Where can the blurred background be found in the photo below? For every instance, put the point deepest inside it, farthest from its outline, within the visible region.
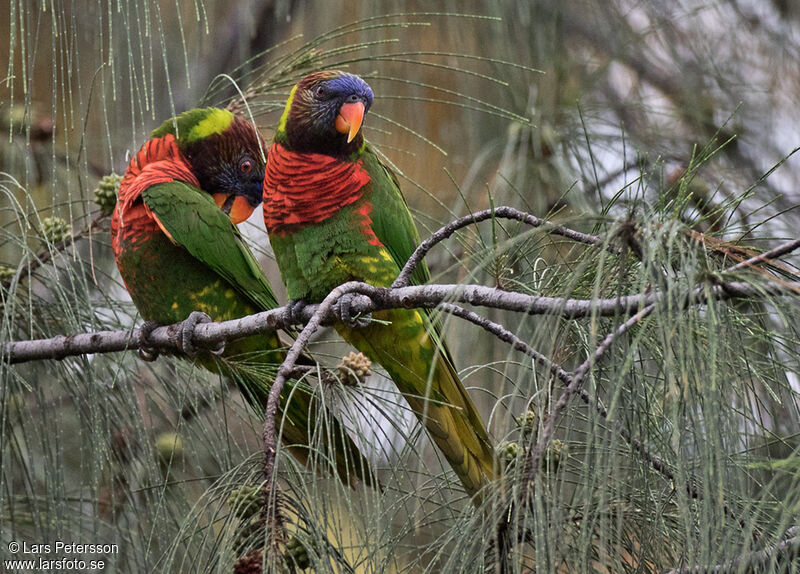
(623, 85)
(581, 111)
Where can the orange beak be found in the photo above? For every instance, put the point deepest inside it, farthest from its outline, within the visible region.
(349, 119)
(235, 206)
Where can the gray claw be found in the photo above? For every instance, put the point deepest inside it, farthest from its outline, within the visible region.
(186, 335)
(294, 310)
(344, 308)
(146, 351)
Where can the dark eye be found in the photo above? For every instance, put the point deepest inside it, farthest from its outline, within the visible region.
(320, 92)
(246, 165)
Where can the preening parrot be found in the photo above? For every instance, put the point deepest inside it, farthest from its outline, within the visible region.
(179, 252)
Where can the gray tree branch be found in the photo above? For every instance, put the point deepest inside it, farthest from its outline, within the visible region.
(502, 212)
(779, 554)
(375, 299)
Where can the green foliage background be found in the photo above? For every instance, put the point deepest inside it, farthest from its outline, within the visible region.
(666, 128)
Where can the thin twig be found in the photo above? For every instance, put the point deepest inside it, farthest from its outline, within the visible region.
(270, 437)
(574, 387)
(767, 256)
(655, 462)
(698, 295)
(503, 212)
(784, 551)
(557, 370)
(506, 336)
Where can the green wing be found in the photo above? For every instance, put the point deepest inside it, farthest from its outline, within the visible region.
(391, 219)
(194, 221)
(394, 226)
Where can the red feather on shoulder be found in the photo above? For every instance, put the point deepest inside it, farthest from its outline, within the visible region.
(159, 160)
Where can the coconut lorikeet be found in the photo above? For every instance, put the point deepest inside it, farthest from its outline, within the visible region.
(179, 252)
(335, 213)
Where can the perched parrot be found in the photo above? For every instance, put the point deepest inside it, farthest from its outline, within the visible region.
(335, 213)
(179, 253)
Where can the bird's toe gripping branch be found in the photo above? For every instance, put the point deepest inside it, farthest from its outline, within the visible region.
(146, 351)
(294, 311)
(186, 335)
(349, 308)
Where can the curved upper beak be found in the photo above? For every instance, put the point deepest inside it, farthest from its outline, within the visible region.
(349, 120)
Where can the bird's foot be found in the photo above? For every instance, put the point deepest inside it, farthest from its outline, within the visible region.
(294, 312)
(349, 309)
(186, 335)
(146, 351)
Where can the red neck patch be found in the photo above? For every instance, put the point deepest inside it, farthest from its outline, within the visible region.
(158, 161)
(302, 189)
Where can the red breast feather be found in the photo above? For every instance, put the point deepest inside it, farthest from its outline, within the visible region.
(302, 189)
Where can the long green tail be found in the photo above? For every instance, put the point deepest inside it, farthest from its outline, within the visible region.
(405, 350)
